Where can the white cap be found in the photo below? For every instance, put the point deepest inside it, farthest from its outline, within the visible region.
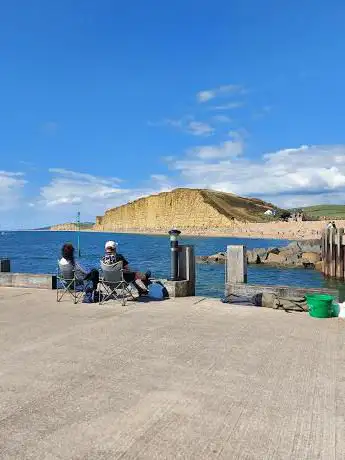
(110, 245)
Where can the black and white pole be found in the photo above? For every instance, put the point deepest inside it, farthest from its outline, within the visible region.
(174, 234)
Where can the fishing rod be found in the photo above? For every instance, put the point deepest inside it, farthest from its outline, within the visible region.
(78, 233)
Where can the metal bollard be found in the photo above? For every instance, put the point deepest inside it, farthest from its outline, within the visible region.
(174, 234)
(5, 265)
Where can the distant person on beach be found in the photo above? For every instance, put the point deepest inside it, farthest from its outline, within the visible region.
(111, 257)
(81, 273)
(331, 224)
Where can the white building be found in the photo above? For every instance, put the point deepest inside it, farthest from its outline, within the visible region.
(269, 212)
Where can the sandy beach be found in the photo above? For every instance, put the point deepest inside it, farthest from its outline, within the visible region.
(271, 230)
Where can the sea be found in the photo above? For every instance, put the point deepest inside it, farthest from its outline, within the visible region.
(38, 252)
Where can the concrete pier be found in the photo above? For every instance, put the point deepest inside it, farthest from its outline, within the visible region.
(187, 378)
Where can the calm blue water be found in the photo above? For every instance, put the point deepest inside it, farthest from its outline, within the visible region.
(37, 252)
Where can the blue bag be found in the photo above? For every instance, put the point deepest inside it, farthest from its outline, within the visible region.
(92, 297)
(88, 297)
(157, 292)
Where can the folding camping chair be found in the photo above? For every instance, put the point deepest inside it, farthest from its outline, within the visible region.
(67, 283)
(113, 284)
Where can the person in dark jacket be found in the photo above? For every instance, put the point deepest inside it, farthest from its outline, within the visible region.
(80, 272)
(111, 257)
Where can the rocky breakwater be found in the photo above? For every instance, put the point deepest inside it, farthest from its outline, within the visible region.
(303, 254)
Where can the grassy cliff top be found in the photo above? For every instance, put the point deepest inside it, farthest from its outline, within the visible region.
(331, 211)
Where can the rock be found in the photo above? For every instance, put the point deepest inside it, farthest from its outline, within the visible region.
(257, 255)
(305, 246)
(291, 258)
(273, 258)
(319, 265)
(218, 258)
(308, 265)
(202, 259)
(311, 257)
(273, 251)
(253, 257)
(291, 255)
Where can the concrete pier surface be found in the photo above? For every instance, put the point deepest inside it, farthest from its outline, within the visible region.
(185, 378)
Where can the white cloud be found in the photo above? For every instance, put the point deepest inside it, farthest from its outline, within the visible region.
(207, 95)
(227, 149)
(75, 188)
(187, 124)
(71, 191)
(11, 185)
(198, 128)
(84, 176)
(204, 96)
(229, 106)
(290, 177)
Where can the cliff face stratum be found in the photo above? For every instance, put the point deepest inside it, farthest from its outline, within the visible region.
(186, 209)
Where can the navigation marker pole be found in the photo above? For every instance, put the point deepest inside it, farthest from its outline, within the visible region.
(78, 234)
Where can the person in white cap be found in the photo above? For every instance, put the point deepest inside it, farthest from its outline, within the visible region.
(111, 257)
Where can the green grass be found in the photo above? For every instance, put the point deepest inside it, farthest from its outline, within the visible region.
(237, 207)
(331, 211)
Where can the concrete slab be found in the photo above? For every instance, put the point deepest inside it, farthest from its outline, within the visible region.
(28, 280)
(186, 378)
(180, 288)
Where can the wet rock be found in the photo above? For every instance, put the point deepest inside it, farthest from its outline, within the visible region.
(218, 258)
(202, 259)
(257, 255)
(296, 254)
(275, 251)
(306, 246)
(273, 258)
(312, 257)
(309, 265)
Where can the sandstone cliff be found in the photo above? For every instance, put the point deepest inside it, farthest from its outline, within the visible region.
(187, 209)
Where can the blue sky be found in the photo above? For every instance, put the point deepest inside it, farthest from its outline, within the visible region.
(105, 101)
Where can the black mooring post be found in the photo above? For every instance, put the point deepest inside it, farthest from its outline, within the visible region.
(174, 234)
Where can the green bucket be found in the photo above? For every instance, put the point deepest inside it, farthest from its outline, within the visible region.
(320, 305)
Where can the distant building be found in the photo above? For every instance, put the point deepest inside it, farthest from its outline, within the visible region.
(270, 212)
